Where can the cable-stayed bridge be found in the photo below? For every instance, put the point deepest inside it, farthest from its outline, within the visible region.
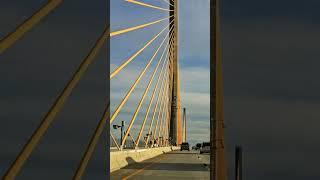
(156, 122)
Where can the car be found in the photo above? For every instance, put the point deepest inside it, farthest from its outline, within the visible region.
(184, 146)
(205, 148)
(198, 146)
(194, 148)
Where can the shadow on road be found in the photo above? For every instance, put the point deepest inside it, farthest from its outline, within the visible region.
(134, 163)
(130, 160)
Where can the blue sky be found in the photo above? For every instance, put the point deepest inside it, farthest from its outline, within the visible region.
(193, 59)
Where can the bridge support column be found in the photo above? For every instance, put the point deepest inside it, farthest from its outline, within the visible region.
(184, 117)
(175, 133)
(217, 157)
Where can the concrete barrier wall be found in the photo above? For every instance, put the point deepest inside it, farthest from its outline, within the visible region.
(120, 159)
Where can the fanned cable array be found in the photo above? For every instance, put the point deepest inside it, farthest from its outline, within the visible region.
(153, 128)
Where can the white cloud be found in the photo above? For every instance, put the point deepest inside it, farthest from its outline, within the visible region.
(194, 72)
(194, 29)
(195, 79)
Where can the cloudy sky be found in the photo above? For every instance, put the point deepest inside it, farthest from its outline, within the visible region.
(271, 78)
(193, 59)
(271, 81)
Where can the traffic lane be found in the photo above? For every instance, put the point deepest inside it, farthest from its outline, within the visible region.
(173, 165)
(204, 158)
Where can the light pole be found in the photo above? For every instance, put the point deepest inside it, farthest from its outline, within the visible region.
(121, 129)
(184, 117)
(238, 163)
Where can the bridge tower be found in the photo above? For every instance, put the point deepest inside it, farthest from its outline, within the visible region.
(175, 117)
(217, 157)
(184, 117)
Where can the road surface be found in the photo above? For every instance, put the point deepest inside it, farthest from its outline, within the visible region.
(184, 165)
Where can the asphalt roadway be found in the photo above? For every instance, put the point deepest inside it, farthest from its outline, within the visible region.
(174, 165)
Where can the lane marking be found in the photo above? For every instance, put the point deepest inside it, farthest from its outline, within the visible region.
(141, 170)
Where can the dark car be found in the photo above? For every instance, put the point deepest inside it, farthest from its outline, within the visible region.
(185, 146)
(205, 148)
(198, 146)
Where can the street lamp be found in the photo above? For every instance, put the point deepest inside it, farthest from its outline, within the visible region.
(121, 129)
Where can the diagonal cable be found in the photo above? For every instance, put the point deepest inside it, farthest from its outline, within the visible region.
(167, 114)
(122, 31)
(151, 99)
(124, 100)
(54, 110)
(162, 132)
(28, 24)
(92, 144)
(126, 62)
(163, 124)
(170, 75)
(155, 108)
(168, 103)
(163, 104)
(145, 92)
(159, 112)
(115, 142)
(162, 111)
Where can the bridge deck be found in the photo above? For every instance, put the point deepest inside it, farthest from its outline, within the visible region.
(174, 165)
